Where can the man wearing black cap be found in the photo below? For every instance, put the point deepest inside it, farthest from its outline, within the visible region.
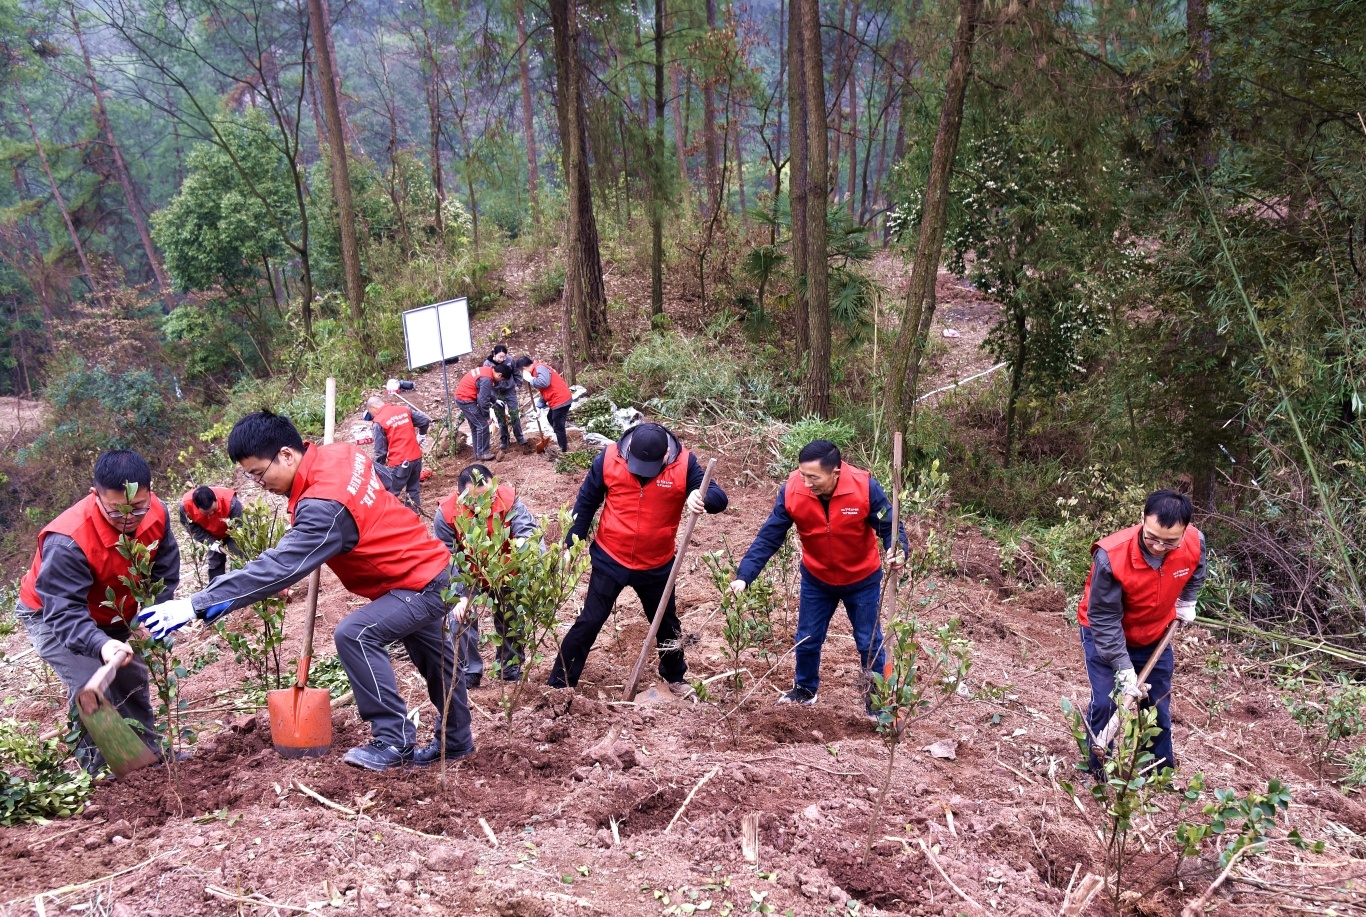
(643, 483)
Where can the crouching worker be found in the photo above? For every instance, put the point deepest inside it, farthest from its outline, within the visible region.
(63, 599)
(205, 513)
(1142, 579)
(341, 514)
(475, 482)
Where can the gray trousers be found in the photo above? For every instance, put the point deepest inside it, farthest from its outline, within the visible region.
(418, 620)
(479, 426)
(407, 477)
(129, 692)
(509, 413)
(509, 653)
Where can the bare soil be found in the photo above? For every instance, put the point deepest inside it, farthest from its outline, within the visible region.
(586, 798)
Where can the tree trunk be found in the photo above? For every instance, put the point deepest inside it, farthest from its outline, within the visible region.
(853, 111)
(657, 173)
(818, 172)
(841, 51)
(1017, 367)
(778, 100)
(341, 174)
(433, 91)
(56, 191)
(120, 167)
(680, 140)
(739, 160)
(709, 141)
(797, 172)
(904, 366)
(528, 122)
(1198, 43)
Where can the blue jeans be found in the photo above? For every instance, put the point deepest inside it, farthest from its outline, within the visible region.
(1102, 707)
(818, 601)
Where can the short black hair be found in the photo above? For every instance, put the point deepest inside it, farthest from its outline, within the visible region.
(117, 468)
(497, 349)
(262, 434)
(474, 474)
(502, 369)
(204, 498)
(1169, 507)
(823, 451)
(523, 361)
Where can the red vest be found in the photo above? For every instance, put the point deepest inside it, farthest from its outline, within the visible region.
(395, 550)
(468, 389)
(453, 507)
(557, 393)
(215, 521)
(838, 548)
(84, 524)
(1149, 595)
(639, 524)
(400, 433)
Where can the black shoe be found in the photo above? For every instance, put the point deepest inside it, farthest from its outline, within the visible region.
(798, 696)
(511, 673)
(379, 755)
(472, 679)
(431, 754)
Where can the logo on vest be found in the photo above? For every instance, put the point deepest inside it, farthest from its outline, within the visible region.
(849, 510)
(663, 482)
(1185, 571)
(398, 420)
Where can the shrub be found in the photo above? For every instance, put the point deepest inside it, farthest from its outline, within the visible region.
(676, 376)
(35, 783)
(255, 641)
(804, 431)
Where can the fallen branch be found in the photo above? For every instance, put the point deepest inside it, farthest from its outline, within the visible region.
(488, 832)
(934, 861)
(1077, 899)
(1197, 907)
(800, 763)
(701, 783)
(352, 813)
(68, 889)
(52, 837)
(256, 899)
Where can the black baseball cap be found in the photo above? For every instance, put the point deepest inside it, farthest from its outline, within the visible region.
(647, 449)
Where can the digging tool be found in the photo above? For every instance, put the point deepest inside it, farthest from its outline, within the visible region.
(1102, 744)
(545, 440)
(890, 575)
(123, 750)
(633, 683)
(300, 716)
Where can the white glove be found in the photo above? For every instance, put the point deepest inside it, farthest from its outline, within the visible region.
(113, 648)
(460, 609)
(695, 504)
(1185, 612)
(896, 560)
(216, 547)
(167, 617)
(737, 586)
(1127, 682)
(391, 386)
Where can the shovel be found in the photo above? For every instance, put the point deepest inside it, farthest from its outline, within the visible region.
(300, 716)
(1102, 744)
(545, 440)
(123, 750)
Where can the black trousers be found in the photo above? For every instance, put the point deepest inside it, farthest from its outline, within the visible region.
(559, 418)
(603, 588)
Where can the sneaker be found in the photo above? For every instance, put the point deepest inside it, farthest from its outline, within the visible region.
(798, 696)
(472, 680)
(870, 708)
(431, 754)
(486, 457)
(681, 689)
(379, 755)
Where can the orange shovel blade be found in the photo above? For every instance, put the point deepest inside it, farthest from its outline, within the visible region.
(300, 721)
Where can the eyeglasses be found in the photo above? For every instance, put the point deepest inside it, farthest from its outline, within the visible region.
(117, 514)
(259, 476)
(1156, 542)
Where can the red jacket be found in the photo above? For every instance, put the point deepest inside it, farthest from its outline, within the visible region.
(839, 547)
(557, 393)
(395, 550)
(399, 431)
(215, 521)
(468, 389)
(1149, 595)
(639, 524)
(84, 524)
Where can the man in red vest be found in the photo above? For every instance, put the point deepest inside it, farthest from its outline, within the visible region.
(554, 391)
(1142, 578)
(205, 513)
(63, 597)
(341, 514)
(474, 395)
(396, 429)
(474, 485)
(643, 483)
(844, 520)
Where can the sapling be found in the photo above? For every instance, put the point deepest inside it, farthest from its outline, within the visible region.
(749, 614)
(1329, 712)
(256, 640)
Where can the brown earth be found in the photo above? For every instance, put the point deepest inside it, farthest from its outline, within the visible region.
(574, 829)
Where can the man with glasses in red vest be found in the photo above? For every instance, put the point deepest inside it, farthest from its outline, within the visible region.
(396, 429)
(554, 391)
(1142, 579)
(205, 513)
(643, 483)
(843, 518)
(63, 597)
(342, 515)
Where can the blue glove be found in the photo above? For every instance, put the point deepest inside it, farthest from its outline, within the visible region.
(167, 617)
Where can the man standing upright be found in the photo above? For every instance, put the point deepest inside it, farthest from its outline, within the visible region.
(205, 512)
(554, 391)
(643, 483)
(843, 518)
(341, 515)
(63, 599)
(396, 429)
(1142, 579)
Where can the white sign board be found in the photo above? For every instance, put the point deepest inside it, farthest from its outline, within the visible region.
(437, 332)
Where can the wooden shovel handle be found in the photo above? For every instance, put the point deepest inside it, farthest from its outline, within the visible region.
(315, 578)
(1107, 734)
(99, 682)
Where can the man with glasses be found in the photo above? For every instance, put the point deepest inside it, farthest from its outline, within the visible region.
(1142, 578)
(64, 598)
(342, 515)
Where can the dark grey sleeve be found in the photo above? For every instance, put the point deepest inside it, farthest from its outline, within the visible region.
(420, 421)
(235, 509)
(541, 378)
(443, 531)
(381, 444)
(522, 524)
(63, 583)
(484, 398)
(322, 530)
(1192, 587)
(1105, 612)
(166, 565)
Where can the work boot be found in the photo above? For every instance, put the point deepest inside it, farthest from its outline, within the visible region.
(431, 754)
(681, 689)
(511, 672)
(379, 755)
(798, 695)
(472, 680)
